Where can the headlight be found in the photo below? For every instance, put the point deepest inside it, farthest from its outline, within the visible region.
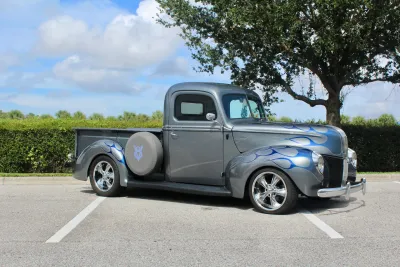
(352, 157)
(318, 161)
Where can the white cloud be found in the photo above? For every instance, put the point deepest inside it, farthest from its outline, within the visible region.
(373, 100)
(73, 70)
(106, 56)
(8, 60)
(178, 66)
(127, 42)
(22, 80)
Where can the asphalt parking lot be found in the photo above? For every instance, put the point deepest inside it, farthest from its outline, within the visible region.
(67, 224)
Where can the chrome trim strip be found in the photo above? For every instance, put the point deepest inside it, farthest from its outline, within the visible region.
(344, 190)
(193, 128)
(276, 131)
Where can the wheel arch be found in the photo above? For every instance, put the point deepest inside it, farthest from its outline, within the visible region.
(295, 162)
(104, 147)
(246, 188)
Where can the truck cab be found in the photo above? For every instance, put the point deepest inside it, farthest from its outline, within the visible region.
(216, 140)
(198, 126)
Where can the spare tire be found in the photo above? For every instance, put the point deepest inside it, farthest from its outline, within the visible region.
(143, 153)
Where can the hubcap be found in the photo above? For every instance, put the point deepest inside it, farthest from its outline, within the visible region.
(269, 191)
(103, 175)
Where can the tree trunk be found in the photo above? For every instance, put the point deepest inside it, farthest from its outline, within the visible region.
(333, 110)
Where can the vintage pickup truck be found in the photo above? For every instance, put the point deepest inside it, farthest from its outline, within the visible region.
(216, 140)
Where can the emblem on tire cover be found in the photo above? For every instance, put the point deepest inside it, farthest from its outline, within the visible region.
(138, 154)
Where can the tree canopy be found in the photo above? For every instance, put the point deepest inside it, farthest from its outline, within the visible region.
(268, 44)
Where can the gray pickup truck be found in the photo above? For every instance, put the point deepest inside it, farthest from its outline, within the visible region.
(216, 140)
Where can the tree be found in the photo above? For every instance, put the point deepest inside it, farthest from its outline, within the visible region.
(344, 119)
(3, 115)
(79, 115)
(386, 120)
(358, 120)
(30, 116)
(142, 117)
(46, 116)
(285, 119)
(111, 118)
(15, 114)
(127, 116)
(269, 44)
(63, 114)
(157, 115)
(96, 116)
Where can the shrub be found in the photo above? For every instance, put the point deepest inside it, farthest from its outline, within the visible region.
(377, 148)
(42, 145)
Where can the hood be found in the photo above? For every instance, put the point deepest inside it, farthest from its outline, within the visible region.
(324, 139)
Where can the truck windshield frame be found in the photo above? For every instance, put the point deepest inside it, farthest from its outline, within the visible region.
(251, 107)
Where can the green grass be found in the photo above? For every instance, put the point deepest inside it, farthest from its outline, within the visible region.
(34, 174)
(378, 172)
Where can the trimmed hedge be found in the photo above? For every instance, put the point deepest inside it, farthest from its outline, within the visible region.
(377, 148)
(43, 145)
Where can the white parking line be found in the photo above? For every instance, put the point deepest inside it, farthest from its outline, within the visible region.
(397, 182)
(320, 224)
(57, 237)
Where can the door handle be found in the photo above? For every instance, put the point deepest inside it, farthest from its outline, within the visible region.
(174, 135)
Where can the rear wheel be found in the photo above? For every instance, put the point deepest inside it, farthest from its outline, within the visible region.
(104, 177)
(272, 192)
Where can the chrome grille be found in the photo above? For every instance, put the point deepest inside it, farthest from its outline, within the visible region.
(345, 170)
(334, 171)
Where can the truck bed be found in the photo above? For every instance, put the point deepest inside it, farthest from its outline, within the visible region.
(86, 136)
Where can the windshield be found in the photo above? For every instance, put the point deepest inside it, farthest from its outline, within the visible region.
(242, 106)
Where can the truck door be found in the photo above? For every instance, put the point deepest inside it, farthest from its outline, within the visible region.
(195, 143)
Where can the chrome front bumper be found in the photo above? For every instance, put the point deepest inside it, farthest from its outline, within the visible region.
(344, 190)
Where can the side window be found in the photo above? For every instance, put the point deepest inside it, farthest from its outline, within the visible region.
(235, 106)
(192, 107)
(254, 108)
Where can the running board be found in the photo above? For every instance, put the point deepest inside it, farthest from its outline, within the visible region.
(181, 187)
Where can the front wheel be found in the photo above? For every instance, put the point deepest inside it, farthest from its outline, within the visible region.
(104, 177)
(271, 191)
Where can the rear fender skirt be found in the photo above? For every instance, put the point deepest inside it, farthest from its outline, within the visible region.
(102, 147)
(296, 162)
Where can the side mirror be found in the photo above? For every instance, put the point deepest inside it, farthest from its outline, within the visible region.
(210, 116)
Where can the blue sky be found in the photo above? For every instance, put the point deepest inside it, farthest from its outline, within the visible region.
(110, 56)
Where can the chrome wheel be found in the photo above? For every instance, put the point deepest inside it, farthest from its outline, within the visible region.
(103, 176)
(269, 191)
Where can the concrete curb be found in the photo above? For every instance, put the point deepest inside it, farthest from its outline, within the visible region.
(41, 180)
(380, 177)
(70, 180)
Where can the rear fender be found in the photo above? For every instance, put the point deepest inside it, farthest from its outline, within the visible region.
(296, 162)
(102, 147)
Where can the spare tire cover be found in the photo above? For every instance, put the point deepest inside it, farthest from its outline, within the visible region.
(143, 153)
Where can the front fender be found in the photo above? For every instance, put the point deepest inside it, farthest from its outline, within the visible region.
(296, 162)
(102, 147)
